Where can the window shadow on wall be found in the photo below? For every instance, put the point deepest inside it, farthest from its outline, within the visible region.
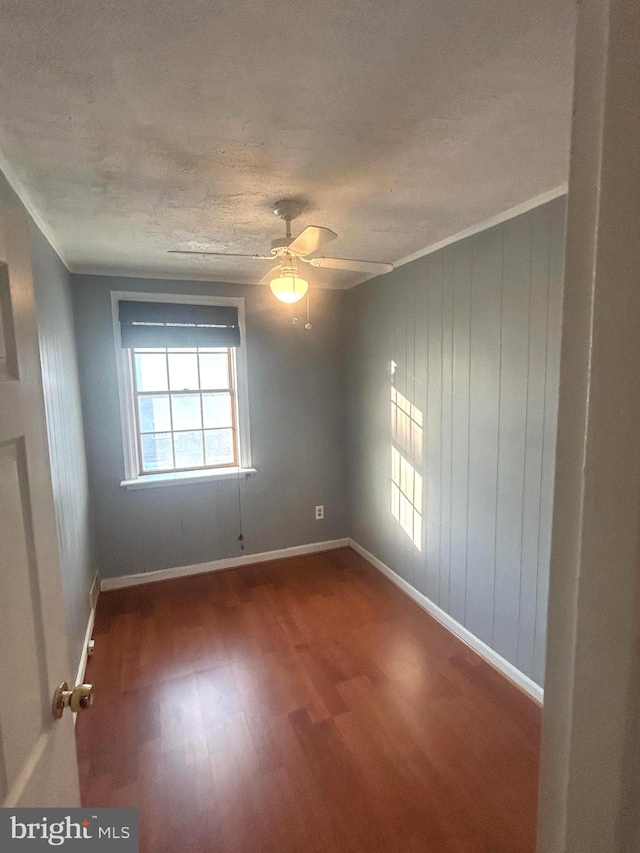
(406, 463)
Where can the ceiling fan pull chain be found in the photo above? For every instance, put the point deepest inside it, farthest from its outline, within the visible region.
(308, 323)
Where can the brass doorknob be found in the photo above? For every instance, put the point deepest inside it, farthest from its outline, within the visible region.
(78, 699)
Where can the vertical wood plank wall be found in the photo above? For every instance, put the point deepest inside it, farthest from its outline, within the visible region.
(470, 336)
(65, 432)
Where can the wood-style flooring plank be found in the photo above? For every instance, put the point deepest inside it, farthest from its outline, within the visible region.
(303, 706)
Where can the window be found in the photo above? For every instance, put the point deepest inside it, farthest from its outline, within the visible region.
(184, 409)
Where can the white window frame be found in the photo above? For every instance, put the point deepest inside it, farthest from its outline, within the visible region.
(133, 477)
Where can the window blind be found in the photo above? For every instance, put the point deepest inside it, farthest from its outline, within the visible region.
(172, 324)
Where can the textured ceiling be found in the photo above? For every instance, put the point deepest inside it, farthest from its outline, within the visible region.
(131, 127)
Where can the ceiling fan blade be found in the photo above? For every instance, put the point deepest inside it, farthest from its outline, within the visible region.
(350, 264)
(219, 254)
(311, 239)
(271, 274)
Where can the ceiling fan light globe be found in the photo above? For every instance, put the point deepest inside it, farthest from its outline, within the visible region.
(289, 288)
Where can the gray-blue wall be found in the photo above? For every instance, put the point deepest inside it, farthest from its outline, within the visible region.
(65, 435)
(474, 333)
(298, 425)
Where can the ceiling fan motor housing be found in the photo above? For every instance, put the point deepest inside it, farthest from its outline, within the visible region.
(288, 208)
(280, 244)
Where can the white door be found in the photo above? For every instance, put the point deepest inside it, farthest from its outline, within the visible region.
(37, 753)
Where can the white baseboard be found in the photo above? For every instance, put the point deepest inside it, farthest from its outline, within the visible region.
(94, 592)
(82, 666)
(508, 669)
(95, 589)
(220, 565)
(85, 648)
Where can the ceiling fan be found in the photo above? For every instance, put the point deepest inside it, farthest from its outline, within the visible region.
(284, 279)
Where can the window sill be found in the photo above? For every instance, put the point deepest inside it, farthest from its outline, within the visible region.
(184, 478)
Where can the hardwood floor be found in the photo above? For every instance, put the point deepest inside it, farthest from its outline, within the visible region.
(303, 705)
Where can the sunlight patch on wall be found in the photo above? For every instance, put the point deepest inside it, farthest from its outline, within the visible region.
(406, 454)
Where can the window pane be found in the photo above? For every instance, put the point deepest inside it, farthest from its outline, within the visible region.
(216, 410)
(188, 447)
(183, 371)
(151, 371)
(154, 413)
(218, 445)
(214, 370)
(186, 411)
(156, 452)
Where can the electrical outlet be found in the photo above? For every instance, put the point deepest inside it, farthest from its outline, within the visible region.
(319, 513)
